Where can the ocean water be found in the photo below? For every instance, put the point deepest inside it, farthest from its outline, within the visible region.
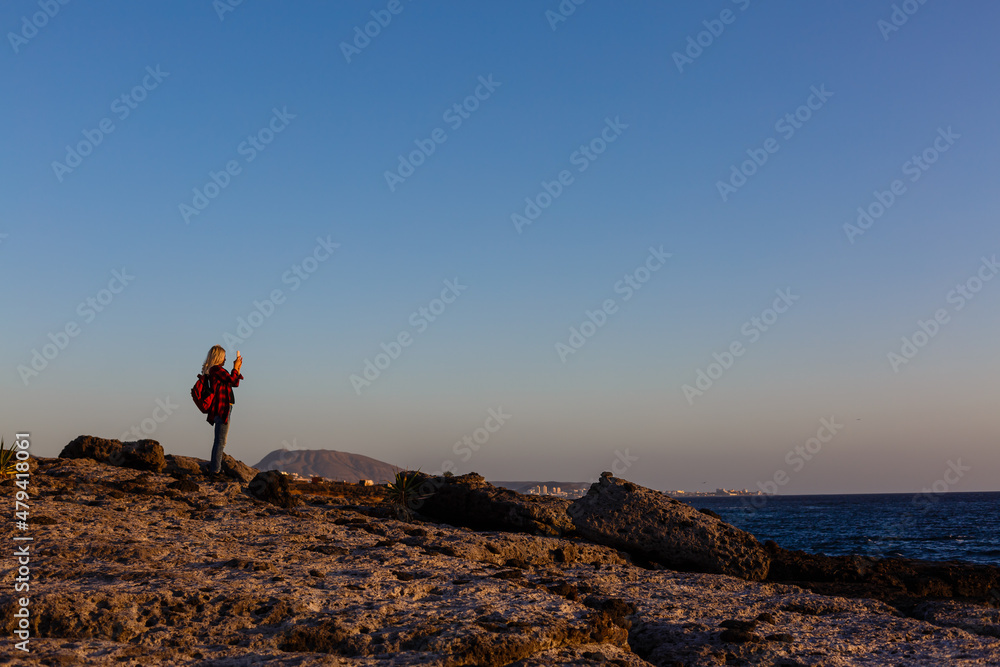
(949, 526)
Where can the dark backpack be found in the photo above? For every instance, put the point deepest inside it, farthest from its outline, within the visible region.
(202, 393)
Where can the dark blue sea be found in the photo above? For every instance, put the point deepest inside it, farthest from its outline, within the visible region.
(948, 526)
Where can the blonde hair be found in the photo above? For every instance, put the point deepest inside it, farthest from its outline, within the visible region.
(215, 357)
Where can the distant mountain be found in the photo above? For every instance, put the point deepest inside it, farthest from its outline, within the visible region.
(329, 464)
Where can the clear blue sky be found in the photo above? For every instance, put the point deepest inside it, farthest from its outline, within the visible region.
(202, 86)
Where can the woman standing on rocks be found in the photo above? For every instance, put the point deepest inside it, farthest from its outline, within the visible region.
(222, 383)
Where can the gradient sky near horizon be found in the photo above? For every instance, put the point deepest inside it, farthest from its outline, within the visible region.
(557, 85)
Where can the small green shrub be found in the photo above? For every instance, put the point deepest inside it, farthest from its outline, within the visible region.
(403, 493)
(7, 461)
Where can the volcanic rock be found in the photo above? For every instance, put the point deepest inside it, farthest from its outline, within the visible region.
(469, 500)
(272, 486)
(139, 454)
(653, 526)
(184, 485)
(145, 578)
(184, 466)
(237, 469)
(902, 582)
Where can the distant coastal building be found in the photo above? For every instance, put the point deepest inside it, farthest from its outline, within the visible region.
(575, 490)
(559, 491)
(295, 477)
(717, 492)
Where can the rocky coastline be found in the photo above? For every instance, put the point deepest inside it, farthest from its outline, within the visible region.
(139, 558)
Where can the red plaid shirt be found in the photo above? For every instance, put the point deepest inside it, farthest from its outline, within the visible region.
(222, 382)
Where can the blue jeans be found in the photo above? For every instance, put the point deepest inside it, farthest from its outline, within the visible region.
(221, 431)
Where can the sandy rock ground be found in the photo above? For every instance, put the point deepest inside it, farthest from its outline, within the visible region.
(128, 571)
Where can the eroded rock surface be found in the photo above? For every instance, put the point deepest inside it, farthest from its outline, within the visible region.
(469, 500)
(902, 582)
(129, 571)
(272, 486)
(140, 454)
(652, 525)
(237, 469)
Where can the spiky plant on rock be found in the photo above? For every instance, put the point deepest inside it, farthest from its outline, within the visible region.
(404, 493)
(7, 461)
